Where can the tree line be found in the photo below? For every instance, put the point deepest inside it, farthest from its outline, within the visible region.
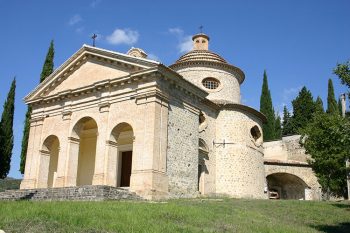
(325, 133)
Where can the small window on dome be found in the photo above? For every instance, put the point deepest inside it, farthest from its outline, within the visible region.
(211, 83)
(197, 41)
(203, 41)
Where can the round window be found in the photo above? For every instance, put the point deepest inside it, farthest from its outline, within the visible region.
(211, 83)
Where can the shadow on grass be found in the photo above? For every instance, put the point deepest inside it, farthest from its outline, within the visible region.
(343, 227)
(345, 206)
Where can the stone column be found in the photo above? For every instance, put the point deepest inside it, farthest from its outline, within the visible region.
(111, 163)
(43, 168)
(72, 161)
(149, 177)
(101, 148)
(30, 176)
(61, 175)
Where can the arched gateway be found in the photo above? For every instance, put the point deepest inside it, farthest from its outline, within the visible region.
(83, 147)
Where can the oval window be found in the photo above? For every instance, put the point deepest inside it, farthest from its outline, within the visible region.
(211, 83)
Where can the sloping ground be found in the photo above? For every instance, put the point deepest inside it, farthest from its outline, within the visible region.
(85, 193)
(194, 215)
(9, 183)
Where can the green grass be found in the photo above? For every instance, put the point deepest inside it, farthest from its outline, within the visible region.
(228, 215)
(9, 183)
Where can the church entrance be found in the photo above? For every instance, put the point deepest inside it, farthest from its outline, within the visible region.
(121, 155)
(48, 162)
(126, 168)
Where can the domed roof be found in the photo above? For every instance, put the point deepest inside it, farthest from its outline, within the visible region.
(200, 55)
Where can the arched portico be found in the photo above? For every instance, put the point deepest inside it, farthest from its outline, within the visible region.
(82, 152)
(120, 155)
(287, 186)
(48, 162)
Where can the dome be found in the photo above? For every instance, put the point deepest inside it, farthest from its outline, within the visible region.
(201, 56)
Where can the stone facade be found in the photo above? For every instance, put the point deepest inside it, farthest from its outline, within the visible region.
(287, 170)
(121, 120)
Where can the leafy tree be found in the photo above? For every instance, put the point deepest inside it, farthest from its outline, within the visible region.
(303, 110)
(267, 109)
(278, 127)
(287, 127)
(332, 106)
(343, 72)
(6, 136)
(46, 71)
(327, 141)
(319, 106)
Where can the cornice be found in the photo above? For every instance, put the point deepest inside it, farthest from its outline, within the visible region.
(97, 86)
(81, 56)
(245, 108)
(223, 66)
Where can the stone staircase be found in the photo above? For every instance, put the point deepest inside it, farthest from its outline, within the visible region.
(83, 193)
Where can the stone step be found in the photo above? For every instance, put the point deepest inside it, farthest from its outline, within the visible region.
(88, 192)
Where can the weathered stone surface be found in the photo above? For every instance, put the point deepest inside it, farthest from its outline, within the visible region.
(83, 193)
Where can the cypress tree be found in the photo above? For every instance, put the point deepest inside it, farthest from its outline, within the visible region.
(6, 137)
(332, 106)
(267, 109)
(46, 71)
(339, 107)
(48, 64)
(319, 106)
(278, 127)
(303, 110)
(287, 128)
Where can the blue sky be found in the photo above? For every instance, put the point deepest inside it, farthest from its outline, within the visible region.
(298, 42)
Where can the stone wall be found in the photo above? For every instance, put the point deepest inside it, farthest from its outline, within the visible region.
(207, 132)
(286, 149)
(239, 158)
(182, 152)
(83, 193)
(287, 157)
(228, 90)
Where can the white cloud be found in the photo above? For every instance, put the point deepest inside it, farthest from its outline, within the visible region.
(94, 3)
(79, 29)
(176, 31)
(290, 93)
(185, 43)
(153, 57)
(123, 36)
(75, 19)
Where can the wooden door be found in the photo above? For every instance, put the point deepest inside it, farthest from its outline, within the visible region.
(126, 169)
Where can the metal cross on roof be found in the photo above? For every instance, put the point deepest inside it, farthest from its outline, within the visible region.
(201, 29)
(94, 36)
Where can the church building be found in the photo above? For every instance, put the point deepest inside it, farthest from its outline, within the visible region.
(123, 120)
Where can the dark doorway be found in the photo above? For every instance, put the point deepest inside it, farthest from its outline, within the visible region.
(126, 169)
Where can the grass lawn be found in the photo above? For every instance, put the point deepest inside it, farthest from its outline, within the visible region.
(227, 215)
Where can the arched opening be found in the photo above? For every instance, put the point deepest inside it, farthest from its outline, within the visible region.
(49, 152)
(203, 163)
(286, 186)
(123, 136)
(85, 132)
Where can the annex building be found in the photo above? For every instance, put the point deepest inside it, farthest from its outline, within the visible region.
(123, 120)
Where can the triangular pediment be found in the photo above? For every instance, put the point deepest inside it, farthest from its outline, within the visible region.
(88, 66)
